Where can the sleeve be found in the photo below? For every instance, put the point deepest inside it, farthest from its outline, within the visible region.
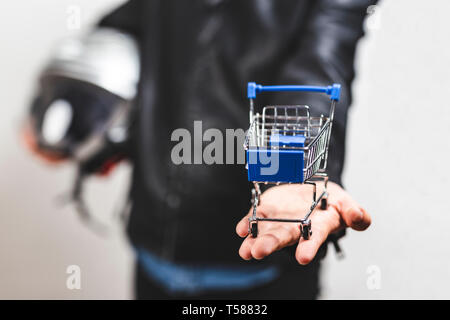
(126, 18)
(325, 55)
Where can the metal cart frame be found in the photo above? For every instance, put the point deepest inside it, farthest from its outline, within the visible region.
(291, 122)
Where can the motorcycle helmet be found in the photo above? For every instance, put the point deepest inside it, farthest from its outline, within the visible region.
(83, 107)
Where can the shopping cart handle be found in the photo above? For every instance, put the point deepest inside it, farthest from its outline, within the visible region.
(334, 91)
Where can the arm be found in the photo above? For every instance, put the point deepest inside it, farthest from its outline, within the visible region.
(325, 55)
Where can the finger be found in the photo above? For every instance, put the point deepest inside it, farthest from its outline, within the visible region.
(307, 249)
(352, 213)
(322, 226)
(274, 239)
(242, 226)
(30, 143)
(356, 218)
(246, 248)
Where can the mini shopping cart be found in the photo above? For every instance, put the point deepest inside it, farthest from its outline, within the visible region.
(285, 144)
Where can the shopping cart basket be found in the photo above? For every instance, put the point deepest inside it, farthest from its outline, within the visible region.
(285, 144)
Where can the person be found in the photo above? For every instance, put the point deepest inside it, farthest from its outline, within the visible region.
(196, 58)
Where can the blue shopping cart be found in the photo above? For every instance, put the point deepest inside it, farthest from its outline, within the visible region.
(285, 144)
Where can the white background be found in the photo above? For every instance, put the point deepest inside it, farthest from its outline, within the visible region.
(396, 166)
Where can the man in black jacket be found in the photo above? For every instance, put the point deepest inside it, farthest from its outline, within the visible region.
(196, 58)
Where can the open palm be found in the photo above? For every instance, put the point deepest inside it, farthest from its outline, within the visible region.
(292, 202)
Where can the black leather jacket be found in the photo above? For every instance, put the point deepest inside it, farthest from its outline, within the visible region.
(197, 57)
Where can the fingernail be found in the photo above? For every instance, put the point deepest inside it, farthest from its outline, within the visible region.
(359, 216)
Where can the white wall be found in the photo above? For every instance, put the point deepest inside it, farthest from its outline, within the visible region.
(398, 157)
(396, 165)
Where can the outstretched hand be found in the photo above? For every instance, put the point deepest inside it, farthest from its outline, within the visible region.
(292, 202)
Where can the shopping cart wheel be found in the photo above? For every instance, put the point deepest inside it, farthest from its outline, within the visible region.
(323, 204)
(254, 229)
(306, 230)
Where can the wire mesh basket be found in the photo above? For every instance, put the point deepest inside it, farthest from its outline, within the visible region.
(284, 128)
